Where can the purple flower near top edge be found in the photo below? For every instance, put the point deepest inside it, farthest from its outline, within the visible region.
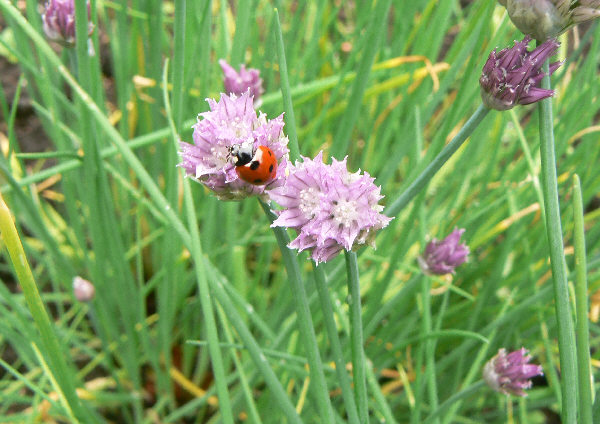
(511, 75)
(544, 19)
(330, 208)
(442, 257)
(59, 21)
(240, 82)
(510, 373)
(232, 120)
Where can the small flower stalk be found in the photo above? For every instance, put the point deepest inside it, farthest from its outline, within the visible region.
(511, 373)
(330, 208)
(545, 19)
(512, 75)
(441, 257)
(239, 82)
(59, 21)
(230, 126)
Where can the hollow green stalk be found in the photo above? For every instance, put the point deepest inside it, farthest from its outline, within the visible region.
(304, 320)
(356, 337)
(566, 332)
(581, 298)
(336, 347)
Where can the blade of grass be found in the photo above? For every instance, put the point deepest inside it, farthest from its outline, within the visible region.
(375, 33)
(581, 296)
(51, 347)
(286, 93)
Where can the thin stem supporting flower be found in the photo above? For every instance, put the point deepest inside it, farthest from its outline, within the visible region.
(421, 181)
(356, 336)
(336, 347)
(305, 323)
(566, 332)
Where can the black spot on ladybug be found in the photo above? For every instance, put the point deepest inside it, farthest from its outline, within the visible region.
(254, 165)
(271, 168)
(258, 180)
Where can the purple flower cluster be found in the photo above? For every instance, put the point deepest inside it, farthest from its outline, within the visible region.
(330, 208)
(510, 373)
(232, 121)
(239, 82)
(511, 76)
(59, 21)
(442, 257)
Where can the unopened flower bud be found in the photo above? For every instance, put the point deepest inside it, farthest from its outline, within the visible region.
(510, 373)
(511, 76)
(239, 82)
(442, 257)
(83, 290)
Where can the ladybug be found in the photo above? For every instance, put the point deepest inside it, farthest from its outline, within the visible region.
(255, 166)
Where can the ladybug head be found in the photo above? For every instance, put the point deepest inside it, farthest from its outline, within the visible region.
(241, 154)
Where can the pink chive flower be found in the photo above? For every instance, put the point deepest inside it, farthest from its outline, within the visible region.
(330, 208)
(231, 121)
(544, 19)
(240, 82)
(442, 257)
(510, 373)
(59, 21)
(511, 76)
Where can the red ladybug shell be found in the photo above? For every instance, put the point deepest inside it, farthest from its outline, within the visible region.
(261, 170)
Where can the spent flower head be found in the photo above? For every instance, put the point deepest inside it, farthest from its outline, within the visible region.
(443, 256)
(511, 76)
(59, 21)
(510, 373)
(240, 82)
(330, 208)
(544, 19)
(232, 121)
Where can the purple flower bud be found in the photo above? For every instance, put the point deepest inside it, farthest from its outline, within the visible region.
(59, 21)
(510, 374)
(330, 208)
(239, 83)
(441, 257)
(544, 19)
(232, 121)
(511, 76)
(83, 290)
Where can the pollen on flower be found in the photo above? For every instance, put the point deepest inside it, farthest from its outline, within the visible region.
(345, 212)
(309, 202)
